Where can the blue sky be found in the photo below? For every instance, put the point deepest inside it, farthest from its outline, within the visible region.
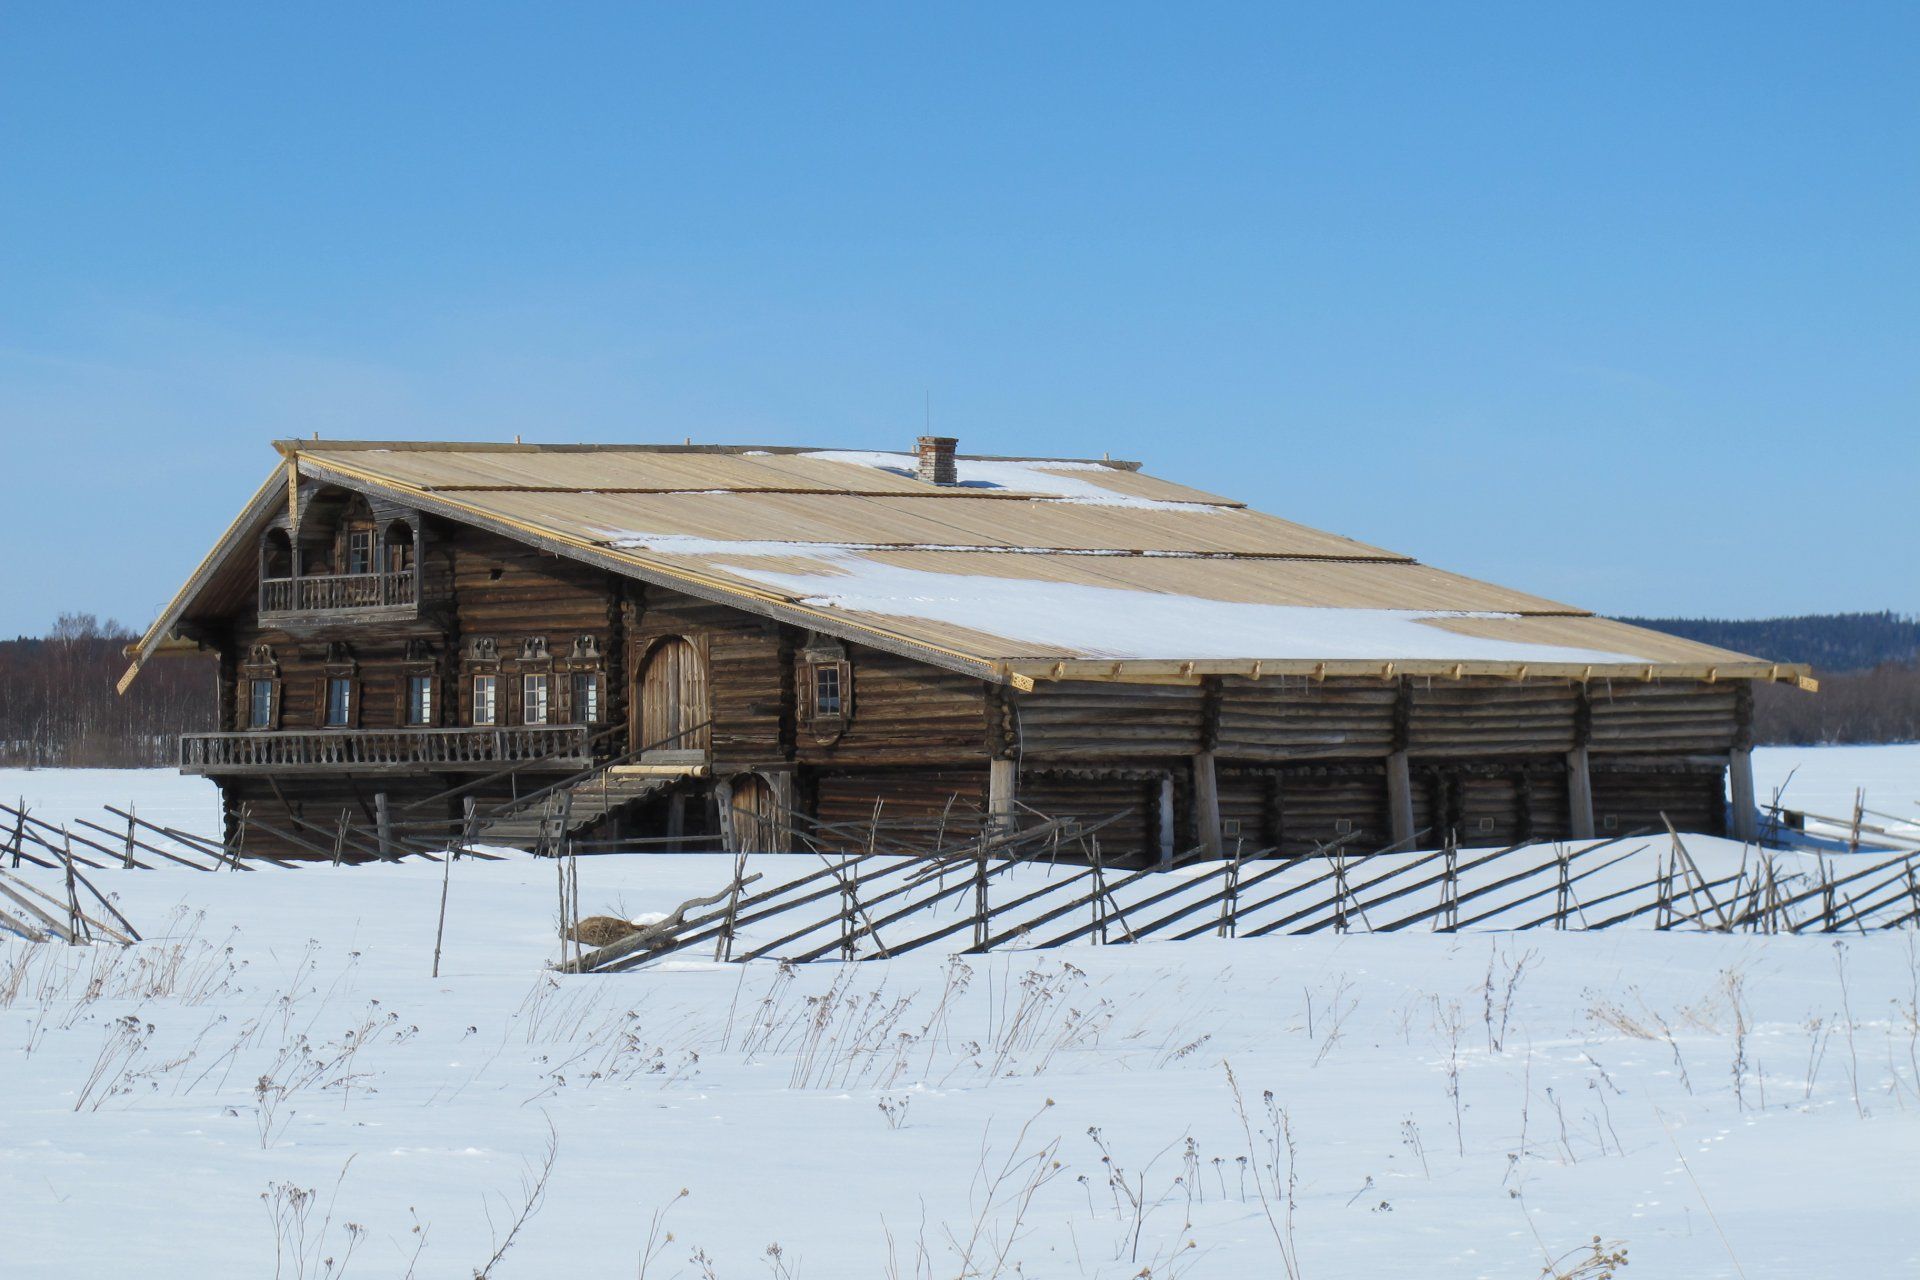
(1614, 303)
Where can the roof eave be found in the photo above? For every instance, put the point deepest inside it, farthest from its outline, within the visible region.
(263, 501)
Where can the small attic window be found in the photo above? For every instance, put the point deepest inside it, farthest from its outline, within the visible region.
(826, 691)
(825, 685)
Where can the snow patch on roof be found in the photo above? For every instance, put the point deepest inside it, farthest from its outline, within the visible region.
(1112, 622)
(1036, 476)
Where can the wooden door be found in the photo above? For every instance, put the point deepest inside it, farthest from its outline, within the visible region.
(673, 699)
(755, 815)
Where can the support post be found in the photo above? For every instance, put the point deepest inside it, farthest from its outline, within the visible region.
(1579, 795)
(1003, 780)
(723, 796)
(1166, 820)
(1206, 804)
(1399, 798)
(383, 819)
(782, 836)
(1743, 816)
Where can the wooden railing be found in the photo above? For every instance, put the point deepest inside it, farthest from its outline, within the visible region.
(564, 746)
(337, 591)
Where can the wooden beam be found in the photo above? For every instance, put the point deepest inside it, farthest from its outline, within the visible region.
(1399, 798)
(1579, 795)
(1003, 786)
(1743, 815)
(1206, 805)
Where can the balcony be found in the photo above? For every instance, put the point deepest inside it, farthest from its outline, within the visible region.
(564, 746)
(356, 596)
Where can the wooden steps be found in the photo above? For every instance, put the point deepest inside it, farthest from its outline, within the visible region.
(584, 803)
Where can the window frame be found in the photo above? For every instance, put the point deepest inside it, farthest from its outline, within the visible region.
(259, 718)
(419, 707)
(594, 707)
(492, 718)
(827, 674)
(342, 685)
(530, 680)
(360, 550)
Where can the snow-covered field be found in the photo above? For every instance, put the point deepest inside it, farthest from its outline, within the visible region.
(1447, 1105)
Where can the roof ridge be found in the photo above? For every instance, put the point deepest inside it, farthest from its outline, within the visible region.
(317, 445)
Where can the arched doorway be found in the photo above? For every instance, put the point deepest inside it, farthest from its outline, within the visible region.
(396, 547)
(673, 699)
(276, 554)
(755, 815)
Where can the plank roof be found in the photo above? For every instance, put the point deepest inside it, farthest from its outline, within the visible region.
(1025, 569)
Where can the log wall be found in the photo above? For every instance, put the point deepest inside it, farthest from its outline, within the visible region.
(1092, 795)
(1292, 718)
(904, 712)
(1087, 719)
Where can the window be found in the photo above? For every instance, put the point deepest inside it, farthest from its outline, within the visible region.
(260, 704)
(827, 699)
(419, 699)
(533, 699)
(486, 709)
(360, 551)
(586, 697)
(339, 702)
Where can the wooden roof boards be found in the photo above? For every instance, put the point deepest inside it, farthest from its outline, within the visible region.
(637, 519)
(672, 470)
(1027, 569)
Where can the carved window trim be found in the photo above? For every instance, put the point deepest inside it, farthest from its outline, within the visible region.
(419, 663)
(260, 668)
(584, 664)
(341, 672)
(480, 660)
(824, 691)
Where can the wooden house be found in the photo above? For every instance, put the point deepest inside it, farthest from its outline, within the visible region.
(725, 641)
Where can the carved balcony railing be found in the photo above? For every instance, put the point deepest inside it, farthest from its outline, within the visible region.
(329, 592)
(384, 750)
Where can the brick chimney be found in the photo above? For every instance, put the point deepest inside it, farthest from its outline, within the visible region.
(936, 459)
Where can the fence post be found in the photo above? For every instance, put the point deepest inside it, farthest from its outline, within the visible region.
(980, 891)
(240, 836)
(1563, 891)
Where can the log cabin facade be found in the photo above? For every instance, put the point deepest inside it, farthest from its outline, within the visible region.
(714, 644)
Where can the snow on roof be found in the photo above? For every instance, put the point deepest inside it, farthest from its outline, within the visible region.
(1086, 621)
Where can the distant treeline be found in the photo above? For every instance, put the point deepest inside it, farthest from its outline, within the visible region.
(1881, 705)
(1833, 642)
(58, 706)
(1868, 665)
